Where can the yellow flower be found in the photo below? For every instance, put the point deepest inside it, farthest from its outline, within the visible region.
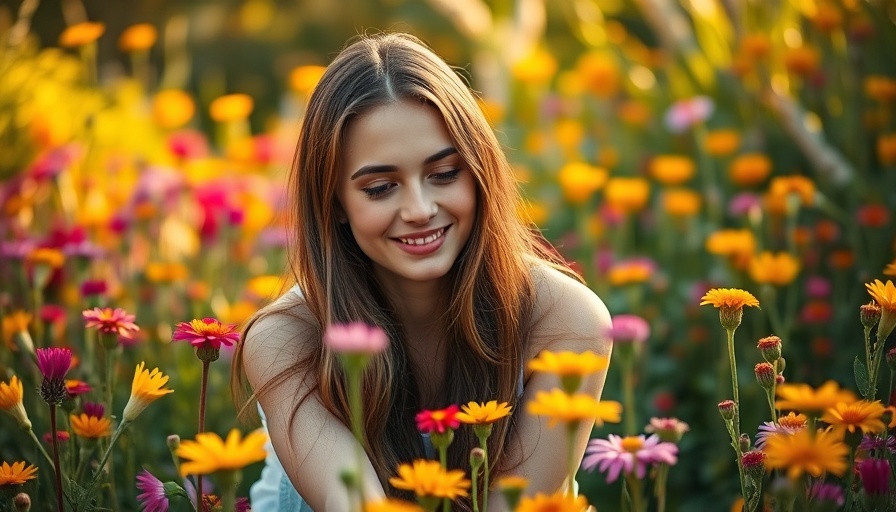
(512, 482)
(165, 272)
(16, 474)
(172, 108)
(209, 453)
(11, 402)
(81, 34)
(801, 397)
(890, 269)
(784, 187)
(731, 303)
(90, 427)
(537, 67)
(566, 363)
(557, 502)
(722, 142)
(793, 421)
(138, 37)
(559, 406)
(391, 505)
(304, 79)
(737, 244)
(681, 202)
(600, 74)
(775, 269)
(483, 413)
(52, 258)
(749, 169)
(427, 478)
(885, 296)
(627, 194)
(580, 180)
(805, 452)
(672, 169)
(863, 415)
(802, 60)
(145, 389)
(232, 107)
(569, 133)
(15, 323)
(632, 271)
(265, 287)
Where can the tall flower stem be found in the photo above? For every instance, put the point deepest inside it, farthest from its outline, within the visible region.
(729, 332)
(356, 410)
(634, 489)
(41, 448)
(228, 480)
(482, 432)
(571, 461)
(56, 466)
(868, 360)
(659, 487)
(115, 435)
(628, 393)
(203, 387)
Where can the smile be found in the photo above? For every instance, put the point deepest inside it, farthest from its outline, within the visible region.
(424, 240)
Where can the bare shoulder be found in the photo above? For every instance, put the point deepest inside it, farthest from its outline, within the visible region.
(567, 315)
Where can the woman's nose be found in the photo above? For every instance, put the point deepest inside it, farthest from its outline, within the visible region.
(418, 206)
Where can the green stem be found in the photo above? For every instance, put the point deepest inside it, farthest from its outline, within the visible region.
(56, 466)
(735, 438)
(868, 360)
(474, 489)
(659, 489)
(573, 464)
(443, 460)
(203, 387)
(41, 448)
(628, 395)
(99, 469)
(483, 443)
(356, 409)
(634, 485)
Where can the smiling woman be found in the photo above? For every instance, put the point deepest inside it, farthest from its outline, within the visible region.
(405, 218)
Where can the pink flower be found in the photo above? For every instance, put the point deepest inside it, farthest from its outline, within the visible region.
(54, 363)
(438, 421)
(629, 329)
(76, 387)
(94, 410)
(630, 454)
(356, 338)
(687, 113)
(61, 435)
(668, 429)
(875, 476)
(108, 320)
(153, 498)
(207, 333)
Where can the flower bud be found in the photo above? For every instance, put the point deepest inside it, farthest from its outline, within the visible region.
(208, 354)
(765, 375)
(477, 457)
(779, 379)
(173, 441)
(753, 463)
(744, 442)
(770, 348)
(727, 408)
(22, 502)
(869, 314)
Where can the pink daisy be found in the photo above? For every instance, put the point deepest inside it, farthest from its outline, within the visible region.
(108, 320)
(438, 421)
(153, 498)
(629, 329)
(356, 338)
(630, 455)
(207, 333)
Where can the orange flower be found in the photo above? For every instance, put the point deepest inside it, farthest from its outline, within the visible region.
(886, 148)
(304, 79)
(736, 244)
(802, 60)
(635, 113)
(681, 202)
(17, 474)
(885, 295)
(783, 188)
(627, 194)
(803, 398)
(90, 427)
(536, 67)
(232, 107)
(862, 415)
(730, 303)
(600, 74)
(14, 323)
(52, 258)
(561, 407)
(580, 181)
(776, 269)
(172, 108)
(827, 17)
(756, 46)
(722, 142)
(81, 34)
(631, 271)
(557, 502)
(427, 478)
(749, 169)
(138, 37)
(804, 452)
(880, 88)
(890, 269)
(672, 169)
(11, 402)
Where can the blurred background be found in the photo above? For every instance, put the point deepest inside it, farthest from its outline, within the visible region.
(664, 146)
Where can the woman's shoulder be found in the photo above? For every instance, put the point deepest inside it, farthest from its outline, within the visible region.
(279, 334)
(566, 314)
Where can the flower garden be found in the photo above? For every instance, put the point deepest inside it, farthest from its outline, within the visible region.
(722, 174)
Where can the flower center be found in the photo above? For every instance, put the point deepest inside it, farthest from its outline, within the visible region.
(852, 416)
(632, 444)
(792, 421)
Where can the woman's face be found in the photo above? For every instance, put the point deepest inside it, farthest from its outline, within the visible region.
(405, 192)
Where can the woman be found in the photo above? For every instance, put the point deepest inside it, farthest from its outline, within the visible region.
(405, 217)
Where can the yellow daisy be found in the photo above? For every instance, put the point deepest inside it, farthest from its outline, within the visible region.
(391, 505)
(557, 502)
(776, 269)
(885, 295)
(209, 453)
(862, 415)
(427, 478)
(559, 406)
(805, 452)
(483, 413)
(11, 401)
(16, 474)
(90, 427)
(803, 398)
(146, 388)
(567, 363)
(730, 303)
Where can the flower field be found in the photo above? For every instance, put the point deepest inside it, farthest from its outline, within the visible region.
(722, 174)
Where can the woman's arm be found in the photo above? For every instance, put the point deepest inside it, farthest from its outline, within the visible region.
(567, 316)
(317, 447)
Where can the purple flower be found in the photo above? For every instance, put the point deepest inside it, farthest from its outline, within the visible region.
(53, 364)
(629, 329)
(630, 455)
(875, 476)
(826, 492)
(153, 498)
(741, 204)
(684, 114)
(355, 338)
(94, 409)
(770, 428)
(872, 443)
(818, 287)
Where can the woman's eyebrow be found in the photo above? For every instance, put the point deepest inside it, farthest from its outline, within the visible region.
(373, 169)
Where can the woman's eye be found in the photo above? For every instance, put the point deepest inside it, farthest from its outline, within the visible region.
(447, 176)
(378, 191)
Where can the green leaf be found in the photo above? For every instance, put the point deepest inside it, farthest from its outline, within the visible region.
(861, 375)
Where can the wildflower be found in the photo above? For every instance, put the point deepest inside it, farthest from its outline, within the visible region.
(801, 397)
(721, 142)
(90, 426)
(81, 34)
(802, 60)
(559, 406)
(727, 408)
(138, 37)
(805, 452)
(538, 66)
(231, 107)
(753, 462)
(672, 169)
(15, 324)
(153, 497)
(890, 269)
(631, 455)
(209, 453)
(91, 287)
(557, 502)
(775, 269)
(207, 336)
(76, 387)
(873, 443)
(749, 169)
(565, 363)
(579, 181)
(627, 194)
(173, 108)
(427, 478)
(21, 502)
(770, 348)
(483, 413)
(629, 329)
(146, 388)
(110, 321)
(634, 113)
(875, 477)
(735, 244)
(873, 215)
(438, 421)
(356, 338)
(821, 492)
(886, 148)
(61, 436)
(165, 272)
(512, 487)
(630, 271)
(11, 402)
(391, 505)
(885, 296)
(765, 375)
(684, 114)
(863, 415)
(667, 429)
(730, 302)
(53, 364)
(783, 187)
(16, 474)
(600, 74)
(304, 79)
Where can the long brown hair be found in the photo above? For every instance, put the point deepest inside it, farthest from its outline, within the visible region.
(489, 303)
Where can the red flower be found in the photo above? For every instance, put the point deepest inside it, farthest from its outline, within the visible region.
(439, 420)
(207, 333)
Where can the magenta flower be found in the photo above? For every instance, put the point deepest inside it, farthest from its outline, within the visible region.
(629, 329)
(53, 364)
(875, 476)
(684, 114)
(93, 287)
(108, 320)
(153, 498)
(207, 333)
(77, 387)
(356, 338)
(438, 421)
(94, 410)
(823, 492)
(630, 455)
(61, 436)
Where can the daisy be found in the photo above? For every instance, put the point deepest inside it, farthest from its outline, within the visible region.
(629, 455)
